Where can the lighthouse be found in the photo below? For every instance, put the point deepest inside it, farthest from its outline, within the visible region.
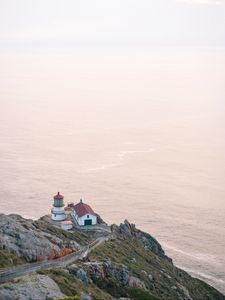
(58, 213)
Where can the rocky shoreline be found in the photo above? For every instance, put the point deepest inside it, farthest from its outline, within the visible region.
(128, 264)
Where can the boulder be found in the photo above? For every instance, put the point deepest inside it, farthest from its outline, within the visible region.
(135, 282)
(82, 275)
(124, 276)
(85, 296)
(41, 287)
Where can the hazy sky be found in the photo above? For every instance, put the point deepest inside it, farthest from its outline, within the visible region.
(112, 23)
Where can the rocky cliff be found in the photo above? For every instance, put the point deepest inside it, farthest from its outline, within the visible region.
(34, 241)
(131, 264)
(24, 239)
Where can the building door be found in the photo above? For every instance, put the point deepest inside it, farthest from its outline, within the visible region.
(87, 222)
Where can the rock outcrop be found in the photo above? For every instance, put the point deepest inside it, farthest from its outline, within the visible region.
(35, 287)
(128, 231)
(100, 220)
(23, 238)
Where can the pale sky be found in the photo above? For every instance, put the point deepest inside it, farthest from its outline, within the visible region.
(66, 23)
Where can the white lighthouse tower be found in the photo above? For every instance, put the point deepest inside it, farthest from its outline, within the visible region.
(58, 213)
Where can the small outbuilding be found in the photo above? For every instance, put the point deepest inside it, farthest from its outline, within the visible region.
(66, 225)
(84, 214)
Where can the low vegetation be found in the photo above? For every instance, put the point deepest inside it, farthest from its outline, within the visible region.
(8, 259)
(71, 286)
(80, 237)
(162, 279)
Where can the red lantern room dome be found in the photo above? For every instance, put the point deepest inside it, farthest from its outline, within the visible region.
(58, 196)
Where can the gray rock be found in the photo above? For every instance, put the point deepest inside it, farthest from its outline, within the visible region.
(73, 269)
(144, 272)
(85, 296)
(129, 231)
(150, 277)
(124, 276)
(35, 287)
(100, 220)
(103, 270)
(135, 282)
(22, 237)
(82, 275)
(133, 260)
(185, 292)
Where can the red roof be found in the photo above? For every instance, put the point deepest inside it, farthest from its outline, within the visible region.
(67, 222)
(82, 209)
(58, 196)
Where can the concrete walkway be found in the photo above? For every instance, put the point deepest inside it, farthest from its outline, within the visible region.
(97, 227)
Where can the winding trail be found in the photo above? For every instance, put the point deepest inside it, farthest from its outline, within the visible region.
(15, 272)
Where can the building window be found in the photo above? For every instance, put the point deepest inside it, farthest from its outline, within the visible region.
(87, 216)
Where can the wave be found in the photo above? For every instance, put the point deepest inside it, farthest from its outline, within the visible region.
(202, 275)
(122, 155)
(101, 168)
(198, 256)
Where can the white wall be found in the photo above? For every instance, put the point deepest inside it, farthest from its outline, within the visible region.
(58, 214)
(91, 217)
(66, 226)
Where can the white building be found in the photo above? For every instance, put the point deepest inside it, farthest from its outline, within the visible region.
(66, 225)
(57, 212)
(84, 214)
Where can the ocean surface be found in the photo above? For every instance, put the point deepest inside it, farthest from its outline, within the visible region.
(138, 134)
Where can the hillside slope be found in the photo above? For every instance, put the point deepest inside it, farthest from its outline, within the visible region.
(132, 264)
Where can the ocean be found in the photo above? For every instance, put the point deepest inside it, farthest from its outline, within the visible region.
(139, 134)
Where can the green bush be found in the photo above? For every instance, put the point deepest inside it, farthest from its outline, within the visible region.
(139, 294)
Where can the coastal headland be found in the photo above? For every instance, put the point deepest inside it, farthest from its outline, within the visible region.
(40, 260)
